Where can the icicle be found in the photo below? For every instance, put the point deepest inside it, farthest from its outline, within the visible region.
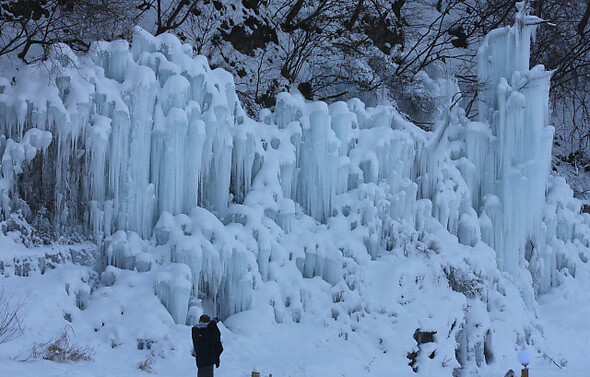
(515, 103)
(172, 286)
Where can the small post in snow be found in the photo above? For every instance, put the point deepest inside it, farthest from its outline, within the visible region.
(257, 374)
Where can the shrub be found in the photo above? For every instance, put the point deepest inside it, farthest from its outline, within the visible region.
(11, 325)
(61, 349)
(147, 364)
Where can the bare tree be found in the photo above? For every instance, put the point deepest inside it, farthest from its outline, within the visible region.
(170, 14)
(200, 29)
(565, 49)
(27, 24)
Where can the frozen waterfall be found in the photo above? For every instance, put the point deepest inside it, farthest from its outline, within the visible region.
(512, 150)
(147, 147)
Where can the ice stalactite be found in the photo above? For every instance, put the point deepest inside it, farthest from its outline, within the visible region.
(173, 288)
(15, 155)
(148, 126)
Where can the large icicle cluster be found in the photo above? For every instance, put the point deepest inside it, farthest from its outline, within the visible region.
(135, 136)
(511, 155)
(151, 129)
(150, 151)
(136, 132)
(512, 158)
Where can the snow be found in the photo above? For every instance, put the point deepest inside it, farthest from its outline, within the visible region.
(327, 238)
(124, 316)
(524, 357)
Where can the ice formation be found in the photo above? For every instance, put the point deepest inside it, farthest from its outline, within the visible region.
(150, 150)
(513, 157)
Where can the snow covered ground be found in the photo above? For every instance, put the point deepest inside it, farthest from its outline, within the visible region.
(317, 346)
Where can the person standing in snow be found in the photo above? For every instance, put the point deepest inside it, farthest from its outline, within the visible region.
(207, 345)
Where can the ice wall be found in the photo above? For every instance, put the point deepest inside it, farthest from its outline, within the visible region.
(136, 131)
(130, 139)
(150, 151)
(134, 135)
(149, 128)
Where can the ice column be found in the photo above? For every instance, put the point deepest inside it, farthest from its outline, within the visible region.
(317, 163)
(514, 103)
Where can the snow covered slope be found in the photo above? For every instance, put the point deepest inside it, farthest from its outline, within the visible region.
(409, 252)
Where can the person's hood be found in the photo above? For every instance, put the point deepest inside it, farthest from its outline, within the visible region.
(202, 328)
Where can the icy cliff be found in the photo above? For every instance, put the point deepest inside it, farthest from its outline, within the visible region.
(148, 149)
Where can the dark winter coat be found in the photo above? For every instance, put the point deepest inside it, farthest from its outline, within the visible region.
(207, 344)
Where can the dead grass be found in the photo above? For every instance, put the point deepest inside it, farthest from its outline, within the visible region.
(148, 363)
(11, 325)
(61, 349)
